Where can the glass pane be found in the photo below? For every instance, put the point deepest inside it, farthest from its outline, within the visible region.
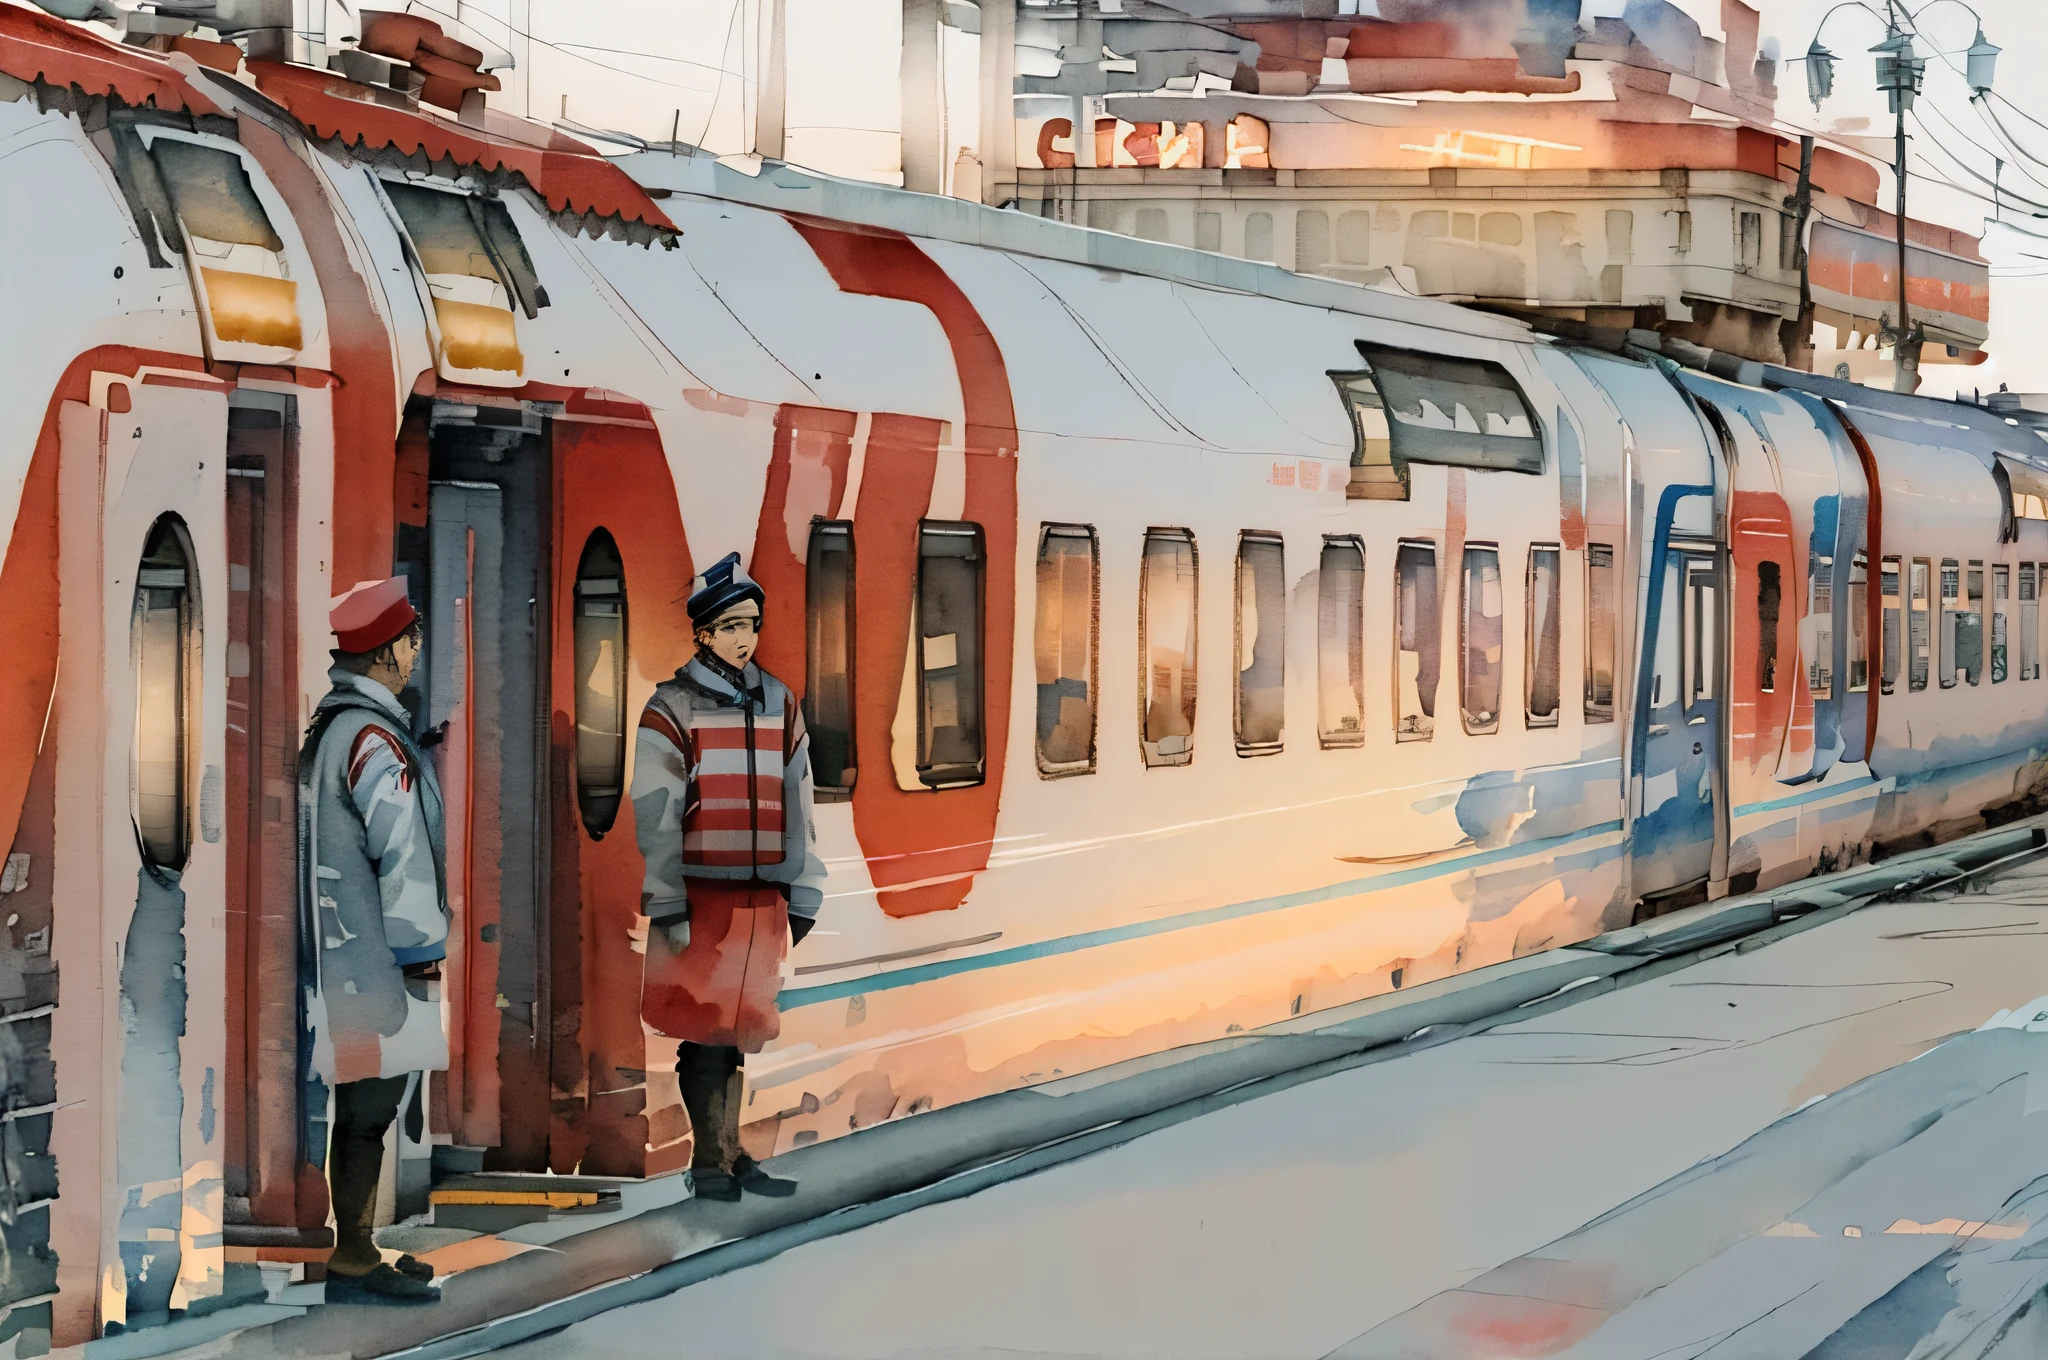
(1769, 612)
(1859, 623)
(1340, 644)
(949, 571)
(211, 193)
(2030, 624)
(1261, 644)
(1166, 641)
(1917, 620)
(1544, 627)
(1970, 627)
(1820, 626)
(1418, 640)
(828, 657)
(599, 628)
(2001, 611)
(1702, 634)
(1463, 412)
(1600, 599)
(1951, 622)
(1372, 457)
(1889, 586)
(1063, 649)
(1484, 636)
(160, 629)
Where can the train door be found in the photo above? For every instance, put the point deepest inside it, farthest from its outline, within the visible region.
(140, 724)
(1680, 784)
(275, 1198)
(484, 704)
(1676, 697)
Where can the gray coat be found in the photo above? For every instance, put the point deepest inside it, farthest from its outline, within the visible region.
(372, 884)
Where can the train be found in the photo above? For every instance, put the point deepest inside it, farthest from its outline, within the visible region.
(1187, 645)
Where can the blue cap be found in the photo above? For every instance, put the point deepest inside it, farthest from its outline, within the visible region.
(721, 586)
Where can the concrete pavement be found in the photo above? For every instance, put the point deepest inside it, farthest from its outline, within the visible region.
(1635, 1174)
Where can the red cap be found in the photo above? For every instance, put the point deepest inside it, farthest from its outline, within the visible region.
(372, 614)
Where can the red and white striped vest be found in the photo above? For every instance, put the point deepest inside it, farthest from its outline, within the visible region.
(732, 813)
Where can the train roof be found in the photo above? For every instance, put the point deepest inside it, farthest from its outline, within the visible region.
(1990, 432)
(784, 188)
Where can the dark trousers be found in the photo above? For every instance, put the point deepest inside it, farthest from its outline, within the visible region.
(363, 1110)
(709, 1075)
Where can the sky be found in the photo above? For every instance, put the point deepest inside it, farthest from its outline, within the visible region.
(1951, 142)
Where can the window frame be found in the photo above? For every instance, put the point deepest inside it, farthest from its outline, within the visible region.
(1600, 557)
(1407, 441)
(1433, 621)
(187, 695)
(1921, 585)
(1532, 645)
(1274, 540)
(1471, 555)
(1047, 531)
(931, 773)
(598, 805)
(1892, 621)
(822, 528)
(1190, 665)
(1338, 739)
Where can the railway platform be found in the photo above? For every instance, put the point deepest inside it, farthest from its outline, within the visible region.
(1471, 1161)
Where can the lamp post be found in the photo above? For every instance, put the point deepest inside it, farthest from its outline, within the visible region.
(1901, 71)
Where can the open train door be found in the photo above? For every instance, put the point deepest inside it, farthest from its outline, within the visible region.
(483, 697)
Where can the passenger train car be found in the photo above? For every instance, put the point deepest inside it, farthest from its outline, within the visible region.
(1186, 646)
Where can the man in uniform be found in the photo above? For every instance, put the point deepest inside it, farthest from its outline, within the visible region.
(722, 807)
(373, 888)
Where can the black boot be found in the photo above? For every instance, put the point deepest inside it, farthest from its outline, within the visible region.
(708, 1077)
(755, 1181)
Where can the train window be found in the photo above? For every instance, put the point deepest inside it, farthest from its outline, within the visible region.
(161, 637)
(1600, 599)
(1702, 635)
(1340, 644)
(1859, 623)
(1167, 597)
(229, 243)
(1372, 451)
(1970, 626)
(1063, 649)
(2001, 611)
(1667, 647)
(1918, 636)
(463, 236)
(598, 631)
(828, 658)
(1820, 620)
(1418, 641)
(1459, 412)
(1951, 617)
(210, 191)
(950, 561)
(2030, 624)
(1261, 709)
(1482, 636)
(1888, 587)
(1543, 629)
(1770, 598)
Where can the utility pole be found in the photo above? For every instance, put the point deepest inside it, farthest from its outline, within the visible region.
(1800, 204)
(1900, 72)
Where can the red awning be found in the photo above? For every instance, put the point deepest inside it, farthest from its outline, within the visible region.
(564, 171)
(34, 45)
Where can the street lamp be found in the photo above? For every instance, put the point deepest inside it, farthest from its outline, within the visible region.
(1901, 71)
